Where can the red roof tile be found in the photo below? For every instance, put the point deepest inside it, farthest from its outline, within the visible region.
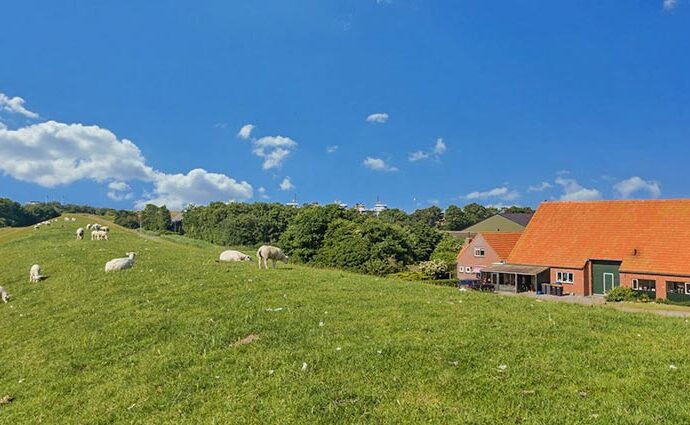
(647, 236)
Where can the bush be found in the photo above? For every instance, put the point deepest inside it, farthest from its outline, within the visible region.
(434, 269)
(626, 294)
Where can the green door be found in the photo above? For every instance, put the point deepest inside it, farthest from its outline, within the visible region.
(605, 276)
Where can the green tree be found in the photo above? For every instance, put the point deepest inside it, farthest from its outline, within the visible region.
(431, 216)
(455, 218)
(447, 250)
(128, 219)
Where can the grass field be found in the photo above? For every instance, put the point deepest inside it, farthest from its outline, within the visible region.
(157, 344)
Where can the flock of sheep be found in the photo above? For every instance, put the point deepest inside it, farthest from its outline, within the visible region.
(100, 232)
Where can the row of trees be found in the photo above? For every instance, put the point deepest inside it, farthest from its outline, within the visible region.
(152, 218)
(13, 214)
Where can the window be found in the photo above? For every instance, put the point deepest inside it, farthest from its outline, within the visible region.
(479, 252)
(468, 269)
(644, 285)
(681, 288)
(565, 277)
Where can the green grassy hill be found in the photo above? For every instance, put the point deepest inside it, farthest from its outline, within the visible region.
(157, 344)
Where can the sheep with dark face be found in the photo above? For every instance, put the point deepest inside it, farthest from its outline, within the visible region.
(267, 252)
(80, 233)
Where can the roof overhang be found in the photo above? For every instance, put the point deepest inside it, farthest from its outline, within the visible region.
(515, 269)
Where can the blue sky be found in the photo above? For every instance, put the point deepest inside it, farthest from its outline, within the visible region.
(418, 102)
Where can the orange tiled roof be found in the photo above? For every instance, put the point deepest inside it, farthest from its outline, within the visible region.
(501, 242)
(647, 236)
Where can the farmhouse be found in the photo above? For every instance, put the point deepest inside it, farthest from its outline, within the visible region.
(483, 250)
(592, 247)
(504, 222)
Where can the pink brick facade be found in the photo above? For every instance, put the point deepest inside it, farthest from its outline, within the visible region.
(466, 258)
(660, 281)
(581, 280)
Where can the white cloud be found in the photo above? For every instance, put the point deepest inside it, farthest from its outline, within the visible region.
(438, 150)
(273, 150)
(332, 148)
(377, 164)
(197, 187)
(246, 131)
(118, 186)
(417, 156)
(52, 153)
(116, 196)
(15, 105)
(286, 184)
(540, 187)
(499, 192)
(262, 192)
(440, 147)
(572, 191)
(118, 189)
(627, 188)
(670, 4)
(380, 118)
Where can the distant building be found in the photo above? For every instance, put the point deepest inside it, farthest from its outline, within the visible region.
(293, 203)
(379, 207)
(505, 222)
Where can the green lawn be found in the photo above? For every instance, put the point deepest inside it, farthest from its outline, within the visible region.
(155, 344)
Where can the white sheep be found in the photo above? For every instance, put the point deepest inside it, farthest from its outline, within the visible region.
(88, 226)
(231, 255)
(105, 228)
(99, 235)
(267, 252)
(4, 295)
(80, 233)
(121, 263)
(35, 273)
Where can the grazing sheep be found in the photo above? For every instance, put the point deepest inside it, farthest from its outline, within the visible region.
(121, 263)
(37, 226)
(80, 234)
(105, 228)
(4, 295)
(267, 252)
(88, 226)
(99, 235)
(231, 255)
(95, 226)
(35, 273)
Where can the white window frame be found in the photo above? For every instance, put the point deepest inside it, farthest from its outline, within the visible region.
(687, 288)
(479, 252)
(635, 284)
(565, 277)
(468, 269)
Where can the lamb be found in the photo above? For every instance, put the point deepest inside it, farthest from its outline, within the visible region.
(4, 295)
(231, 255)
(88, 226)
(95, 226)
(80, 234)
(121, 263)
(267, 252)
(35, 273)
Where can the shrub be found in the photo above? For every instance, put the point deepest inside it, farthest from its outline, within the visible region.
(626, 294)
(409, 276)
(434, 269)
